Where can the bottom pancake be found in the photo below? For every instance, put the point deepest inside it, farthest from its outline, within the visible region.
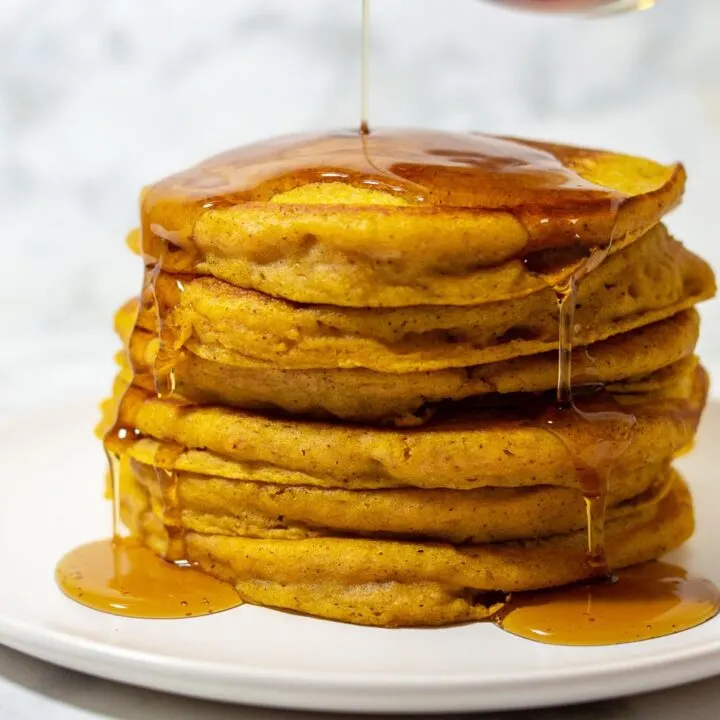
(406, 583)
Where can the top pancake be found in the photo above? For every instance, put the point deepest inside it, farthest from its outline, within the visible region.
(401, 218)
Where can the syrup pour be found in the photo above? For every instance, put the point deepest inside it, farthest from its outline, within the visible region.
(364, 68)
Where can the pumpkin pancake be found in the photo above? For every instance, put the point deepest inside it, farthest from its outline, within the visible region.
(212, 504)
(404, 583)
(349, 220)
(649, 281)
(630, 361)
(339, 388)
(456, 449)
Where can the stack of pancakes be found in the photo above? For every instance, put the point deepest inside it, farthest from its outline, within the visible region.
(335, 395)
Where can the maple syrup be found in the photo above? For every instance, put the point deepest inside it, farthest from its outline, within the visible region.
(364, 68)
(638, 603)
(122, 576)
(428, 169)
(170, 511)
(600, 445)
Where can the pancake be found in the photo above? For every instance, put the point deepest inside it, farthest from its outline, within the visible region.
(348, 220)
(649, 281)
(217, 505)
(395, 583)
(630, 362)
(456, 449)
(340, 388)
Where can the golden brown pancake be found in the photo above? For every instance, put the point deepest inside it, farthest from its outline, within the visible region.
(631, 362)
(396, 583)
(212, 504)
(339, 388)
(347, 220)
(649, 281)
(456, 449)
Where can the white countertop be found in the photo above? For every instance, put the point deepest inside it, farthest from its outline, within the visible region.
(34, 690)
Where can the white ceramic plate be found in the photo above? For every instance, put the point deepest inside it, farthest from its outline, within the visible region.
(51, 477)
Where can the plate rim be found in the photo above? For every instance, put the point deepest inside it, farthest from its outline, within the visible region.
(348, 692)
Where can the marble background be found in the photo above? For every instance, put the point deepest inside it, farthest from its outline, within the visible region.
(98, 98)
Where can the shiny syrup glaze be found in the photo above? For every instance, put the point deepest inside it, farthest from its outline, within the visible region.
(637, 603)
(428, 170)
(121, 575)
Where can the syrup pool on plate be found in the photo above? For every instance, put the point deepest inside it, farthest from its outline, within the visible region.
(123, 577)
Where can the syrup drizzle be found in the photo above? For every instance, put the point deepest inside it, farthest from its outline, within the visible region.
(593, 461)
(638, 603)
(171, 511)
(364, 68)
(113, 459)
(122, 575)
